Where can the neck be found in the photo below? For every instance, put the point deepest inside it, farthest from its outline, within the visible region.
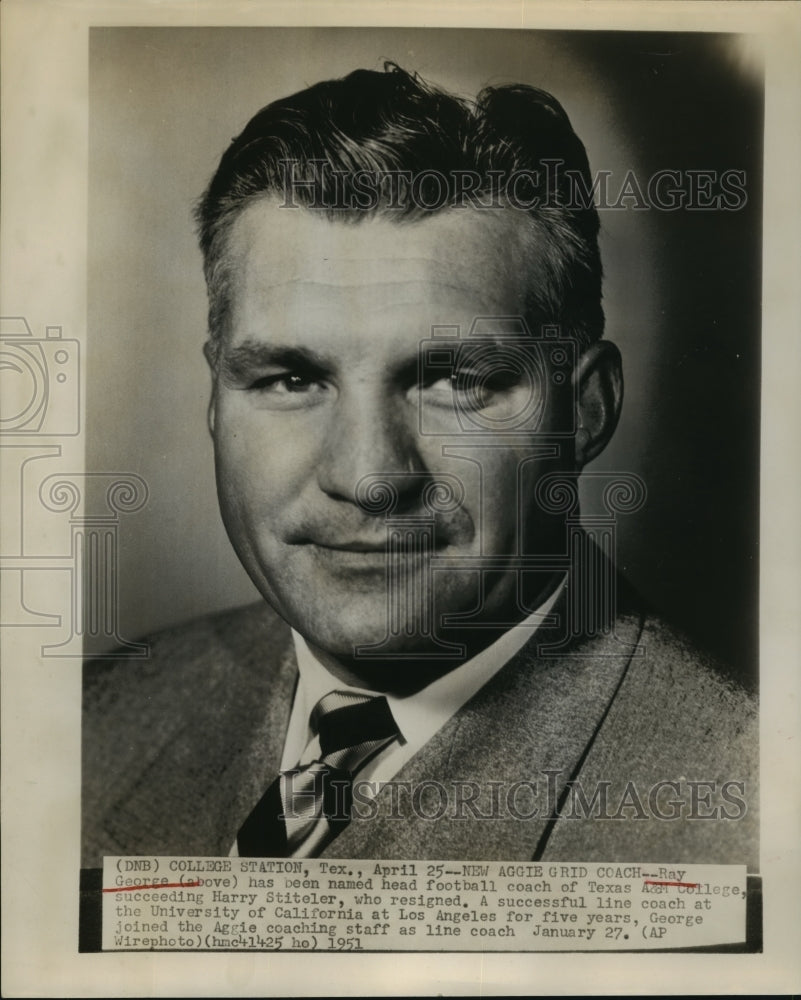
(409, 669)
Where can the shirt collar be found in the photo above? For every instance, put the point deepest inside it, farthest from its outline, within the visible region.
(421, 714)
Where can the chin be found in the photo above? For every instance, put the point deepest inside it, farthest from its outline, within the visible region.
(342, 635)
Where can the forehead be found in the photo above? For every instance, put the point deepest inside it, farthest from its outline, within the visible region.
(453, 265)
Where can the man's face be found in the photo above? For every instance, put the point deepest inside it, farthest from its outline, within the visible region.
(318, 386)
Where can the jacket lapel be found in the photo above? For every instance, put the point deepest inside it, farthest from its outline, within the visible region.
(486, 768)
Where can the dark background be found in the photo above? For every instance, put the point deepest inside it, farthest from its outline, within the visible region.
(682, 289)
(693, 550)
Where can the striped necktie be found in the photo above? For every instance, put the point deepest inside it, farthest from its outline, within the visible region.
(306, 807)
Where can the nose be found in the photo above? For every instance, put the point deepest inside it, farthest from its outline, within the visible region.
(372, 434)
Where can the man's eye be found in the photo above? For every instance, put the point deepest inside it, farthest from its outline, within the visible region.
(285, 382)
(287, 390)
(474, 388)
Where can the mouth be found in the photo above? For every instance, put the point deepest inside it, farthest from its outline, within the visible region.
(351, 558)
(362, 556)
(351, 546)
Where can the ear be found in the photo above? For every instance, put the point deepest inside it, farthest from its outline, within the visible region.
(211, 360)
(598, 382)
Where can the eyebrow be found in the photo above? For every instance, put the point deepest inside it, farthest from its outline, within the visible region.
(239, 362)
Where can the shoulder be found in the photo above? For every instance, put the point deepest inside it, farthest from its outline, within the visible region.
(677, 709)
(673, 766)
(246, 640)
(681, 692)
(191, 723)
(671, 689)
(219, 663)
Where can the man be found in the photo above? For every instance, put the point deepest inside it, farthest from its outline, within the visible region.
(408, 375)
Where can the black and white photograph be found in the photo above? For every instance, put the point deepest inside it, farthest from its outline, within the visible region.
(401, 506)
(413, 356)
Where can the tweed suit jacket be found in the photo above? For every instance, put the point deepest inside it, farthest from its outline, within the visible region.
(614, 747)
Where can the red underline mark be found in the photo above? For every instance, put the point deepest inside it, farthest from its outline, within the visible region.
(161, 885)
(683, 885)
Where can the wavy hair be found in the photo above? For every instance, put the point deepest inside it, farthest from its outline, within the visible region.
(391, 124)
